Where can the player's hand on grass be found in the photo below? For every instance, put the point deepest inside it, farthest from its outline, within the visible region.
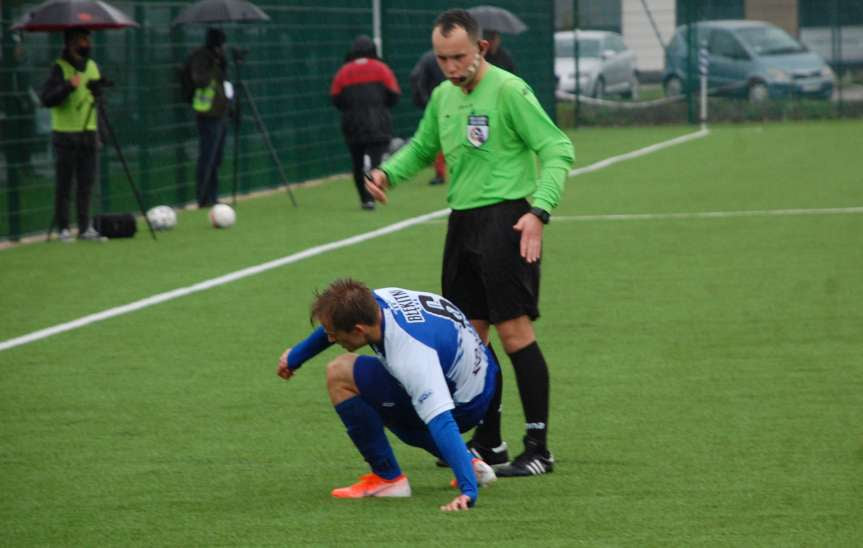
(377, 185)
(283, 371)
(461, 502)
(531, 237)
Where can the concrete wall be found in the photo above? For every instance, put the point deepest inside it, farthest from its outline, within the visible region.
(782, 13)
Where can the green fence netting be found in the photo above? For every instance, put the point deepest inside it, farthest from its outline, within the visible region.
(288, 69)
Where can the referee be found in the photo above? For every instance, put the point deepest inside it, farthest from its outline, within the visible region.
(491, 128)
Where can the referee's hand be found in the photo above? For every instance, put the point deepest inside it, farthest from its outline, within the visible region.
(377, 185)
(531, 237)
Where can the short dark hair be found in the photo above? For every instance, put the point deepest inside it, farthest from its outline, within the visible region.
(345, 303)
(451, 19)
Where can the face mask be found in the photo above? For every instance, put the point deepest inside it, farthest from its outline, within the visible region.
(84, 52)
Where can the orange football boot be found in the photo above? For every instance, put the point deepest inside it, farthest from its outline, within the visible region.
(372, 485)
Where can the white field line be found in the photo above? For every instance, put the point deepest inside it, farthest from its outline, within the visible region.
(697, 215)
(215, 282)
(710, 214)
(703, 132)
(311, 252)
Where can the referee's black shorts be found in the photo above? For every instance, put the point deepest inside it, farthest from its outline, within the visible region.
(484, 273)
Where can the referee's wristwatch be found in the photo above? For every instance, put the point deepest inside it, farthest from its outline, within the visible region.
(541, 214)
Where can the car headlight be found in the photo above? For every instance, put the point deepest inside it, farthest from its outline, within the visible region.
(827, 72)
(778, 75)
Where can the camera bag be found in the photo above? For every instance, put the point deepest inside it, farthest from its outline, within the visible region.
(115, 225)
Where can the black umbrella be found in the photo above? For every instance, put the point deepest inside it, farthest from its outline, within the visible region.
(497, 19)
(221, 11)
(55, 15)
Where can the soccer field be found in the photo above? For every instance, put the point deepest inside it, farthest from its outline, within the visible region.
(701, 316)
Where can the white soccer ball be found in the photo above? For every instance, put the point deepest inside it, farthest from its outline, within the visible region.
(222, 216)
(162, 217)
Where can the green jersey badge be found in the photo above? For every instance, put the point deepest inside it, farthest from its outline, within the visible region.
(477, 130)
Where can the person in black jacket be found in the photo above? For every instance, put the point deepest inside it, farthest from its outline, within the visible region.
(205, 71)
(365, 89)
(497, 54)
(425, 76)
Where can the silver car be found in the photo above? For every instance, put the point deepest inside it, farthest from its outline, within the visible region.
(606, 66)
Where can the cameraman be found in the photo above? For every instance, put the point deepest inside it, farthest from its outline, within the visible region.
(74, 121)
(205, 72)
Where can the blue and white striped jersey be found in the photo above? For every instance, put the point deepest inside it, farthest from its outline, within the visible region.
(431, 348)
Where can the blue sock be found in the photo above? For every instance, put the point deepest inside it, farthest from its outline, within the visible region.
(366, 430)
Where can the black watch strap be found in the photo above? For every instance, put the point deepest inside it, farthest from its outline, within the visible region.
(542, 214)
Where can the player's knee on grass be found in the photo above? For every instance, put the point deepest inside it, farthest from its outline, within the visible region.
(340, 378)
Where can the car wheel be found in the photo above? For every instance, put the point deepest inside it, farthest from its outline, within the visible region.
(632, 92)
(673, 87)
(599, 89)
(758, 92)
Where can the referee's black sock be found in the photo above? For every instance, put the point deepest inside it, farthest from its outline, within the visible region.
(487, 432)
(531, 374)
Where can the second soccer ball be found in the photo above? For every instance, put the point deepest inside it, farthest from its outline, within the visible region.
(162, 217)
(222, 216)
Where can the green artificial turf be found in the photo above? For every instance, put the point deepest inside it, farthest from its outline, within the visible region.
(707, 381)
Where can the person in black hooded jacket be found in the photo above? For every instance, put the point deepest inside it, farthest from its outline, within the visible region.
(365, 89)
(206, 69)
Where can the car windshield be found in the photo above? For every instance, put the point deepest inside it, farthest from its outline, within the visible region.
(769, 41)
(565, 47)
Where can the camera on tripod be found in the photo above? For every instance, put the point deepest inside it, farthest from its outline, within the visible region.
(96, 86)
(239, 54)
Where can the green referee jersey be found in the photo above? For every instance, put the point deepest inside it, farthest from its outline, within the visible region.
(491, 138)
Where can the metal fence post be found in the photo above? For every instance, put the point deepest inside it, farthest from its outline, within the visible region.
(836, 47)
(142, 57)
(376, 27)
(575, 24)
(690, 63)
(11, 149)
(703, 62)
(180, 116)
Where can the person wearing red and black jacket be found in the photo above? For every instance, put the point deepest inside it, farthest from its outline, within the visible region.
(365, 89)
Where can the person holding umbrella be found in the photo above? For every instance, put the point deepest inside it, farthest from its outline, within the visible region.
(497, 55)
(495, 21)
(206, 70)
(213, 65)
(68, 92)
(73, 92)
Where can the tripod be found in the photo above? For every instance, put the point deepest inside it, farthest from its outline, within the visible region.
(96, 89)
(239, 55)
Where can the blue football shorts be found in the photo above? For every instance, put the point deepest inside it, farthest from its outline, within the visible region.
(388, 397)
